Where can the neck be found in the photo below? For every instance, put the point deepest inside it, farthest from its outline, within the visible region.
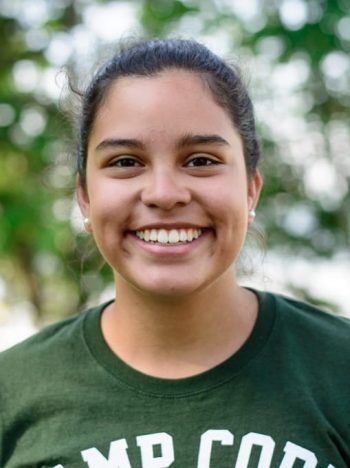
(183, 336)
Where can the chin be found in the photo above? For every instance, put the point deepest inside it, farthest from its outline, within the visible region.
(167, 289)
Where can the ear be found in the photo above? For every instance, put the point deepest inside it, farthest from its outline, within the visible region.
(83, 202)
(254, 188)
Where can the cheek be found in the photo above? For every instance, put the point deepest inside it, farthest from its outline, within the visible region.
(107, 223)
(106, 201)
(232, 225)
(230, 207)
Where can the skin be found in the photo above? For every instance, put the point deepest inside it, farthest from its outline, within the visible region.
(163, 153)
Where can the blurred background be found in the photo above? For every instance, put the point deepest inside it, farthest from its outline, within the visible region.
(295, 59)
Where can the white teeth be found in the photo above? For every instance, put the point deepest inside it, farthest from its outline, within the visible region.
(162, 236)
(173, 236)
(183, 235)
(153, 236)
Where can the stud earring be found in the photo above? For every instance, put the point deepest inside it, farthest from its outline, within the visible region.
(252, 215)
(87, 224)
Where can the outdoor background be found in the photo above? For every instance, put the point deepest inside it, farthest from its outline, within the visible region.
(295, 59)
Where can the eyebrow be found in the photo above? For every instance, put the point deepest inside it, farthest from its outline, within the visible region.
(116, 142)
(190, 139)
(186, 140)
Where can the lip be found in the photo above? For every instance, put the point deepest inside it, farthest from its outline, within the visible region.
(168, 226)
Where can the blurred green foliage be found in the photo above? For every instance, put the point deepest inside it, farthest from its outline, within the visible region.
(44, 256)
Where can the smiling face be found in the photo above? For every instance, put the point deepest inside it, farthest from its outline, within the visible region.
(167, 189)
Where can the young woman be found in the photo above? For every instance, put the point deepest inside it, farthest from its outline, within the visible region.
(184, 368)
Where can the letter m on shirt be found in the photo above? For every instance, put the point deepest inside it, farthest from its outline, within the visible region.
(117, 457)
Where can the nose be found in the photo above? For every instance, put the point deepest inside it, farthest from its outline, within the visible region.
(165, 189)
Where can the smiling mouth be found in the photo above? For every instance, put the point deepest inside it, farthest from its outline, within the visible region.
(171, 236)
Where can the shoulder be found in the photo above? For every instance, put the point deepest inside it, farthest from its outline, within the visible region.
(42, 352)
(39, 349)
(310, 355)
(307, 315)
(309, 329)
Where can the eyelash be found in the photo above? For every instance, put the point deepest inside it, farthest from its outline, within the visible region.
(206, 160)
(119, 162)
(125, 162)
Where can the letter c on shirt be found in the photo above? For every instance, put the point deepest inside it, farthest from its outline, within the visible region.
(223, 436)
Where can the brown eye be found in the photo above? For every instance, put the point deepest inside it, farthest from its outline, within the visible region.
(125, 162)
(199, 161)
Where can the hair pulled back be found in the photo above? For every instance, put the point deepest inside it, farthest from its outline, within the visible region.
(148, 58)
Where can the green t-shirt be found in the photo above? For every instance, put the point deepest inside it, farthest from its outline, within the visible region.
(283, 400)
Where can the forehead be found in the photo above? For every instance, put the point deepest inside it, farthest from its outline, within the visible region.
(171, 97)
(167, 85)
(186, 79)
